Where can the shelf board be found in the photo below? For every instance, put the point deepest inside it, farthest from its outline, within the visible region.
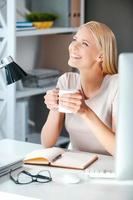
(2, 32)
(2, 95)
(47, 31)
(27, 92)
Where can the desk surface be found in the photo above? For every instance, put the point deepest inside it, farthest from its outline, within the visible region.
(86, 189)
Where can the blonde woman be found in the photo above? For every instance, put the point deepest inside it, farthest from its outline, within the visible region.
(92, 123)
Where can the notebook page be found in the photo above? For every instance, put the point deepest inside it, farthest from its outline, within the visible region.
(48, 154)
(75, 160)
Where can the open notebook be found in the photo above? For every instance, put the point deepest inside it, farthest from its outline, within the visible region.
(59, 157)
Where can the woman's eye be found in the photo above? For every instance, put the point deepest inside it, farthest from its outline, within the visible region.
(74, 39)
(85, 43)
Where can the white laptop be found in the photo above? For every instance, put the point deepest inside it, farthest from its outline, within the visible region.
(12, 153)
(9, 162)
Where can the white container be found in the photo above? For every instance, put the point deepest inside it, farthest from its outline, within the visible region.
(61, 92)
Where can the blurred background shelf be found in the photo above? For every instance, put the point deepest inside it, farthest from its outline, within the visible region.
(49, 31)
(35, 138)
(39, 48)
(27, 92)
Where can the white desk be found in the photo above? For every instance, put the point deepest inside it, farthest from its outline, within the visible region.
(86, 189)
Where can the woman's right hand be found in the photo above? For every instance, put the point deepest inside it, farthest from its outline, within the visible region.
(51, 99)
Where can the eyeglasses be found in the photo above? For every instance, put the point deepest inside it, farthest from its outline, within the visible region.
(25, 177)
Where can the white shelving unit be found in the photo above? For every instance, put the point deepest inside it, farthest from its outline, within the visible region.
(9, 95)
(50, 31)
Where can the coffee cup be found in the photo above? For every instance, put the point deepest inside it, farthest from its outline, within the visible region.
(61, 92)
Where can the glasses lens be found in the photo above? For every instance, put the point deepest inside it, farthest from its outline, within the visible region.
(24, 178)
(44, 176)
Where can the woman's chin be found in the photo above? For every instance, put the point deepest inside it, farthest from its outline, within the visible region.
(72, 64)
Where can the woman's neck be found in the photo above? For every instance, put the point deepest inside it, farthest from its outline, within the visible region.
(90, 83)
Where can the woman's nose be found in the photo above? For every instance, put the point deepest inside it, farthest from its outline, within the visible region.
(75, 45)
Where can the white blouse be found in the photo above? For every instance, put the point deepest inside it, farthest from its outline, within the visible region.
(104, 104)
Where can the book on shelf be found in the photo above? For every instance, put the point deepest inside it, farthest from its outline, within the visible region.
(25, 28)
(75, 7)
(24, 25)
(59, 157)
(44, 72)
(41, 78)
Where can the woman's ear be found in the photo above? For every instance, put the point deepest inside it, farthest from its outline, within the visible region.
(100, 61)
(99, 58)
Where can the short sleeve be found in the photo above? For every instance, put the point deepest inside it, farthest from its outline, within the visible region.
(62, 82)
(68, 80)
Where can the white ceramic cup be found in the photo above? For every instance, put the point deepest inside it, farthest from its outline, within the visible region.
(61, 92)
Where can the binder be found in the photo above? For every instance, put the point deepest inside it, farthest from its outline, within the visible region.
(75, 13)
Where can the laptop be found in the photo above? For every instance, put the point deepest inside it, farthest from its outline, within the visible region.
(12, 153)
(9, 162)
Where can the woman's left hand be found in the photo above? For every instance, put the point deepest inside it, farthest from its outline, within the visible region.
(74, 102)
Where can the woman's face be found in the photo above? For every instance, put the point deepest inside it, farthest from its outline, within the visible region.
(83, 50)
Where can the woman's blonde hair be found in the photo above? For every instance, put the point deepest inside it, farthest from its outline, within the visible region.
(107, 42)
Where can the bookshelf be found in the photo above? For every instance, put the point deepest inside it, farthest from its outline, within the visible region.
(13, 99)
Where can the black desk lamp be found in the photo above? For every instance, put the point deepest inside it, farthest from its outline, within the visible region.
(12, 70)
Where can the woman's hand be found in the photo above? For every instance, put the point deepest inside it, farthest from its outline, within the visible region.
(74, 102)
(51, 99)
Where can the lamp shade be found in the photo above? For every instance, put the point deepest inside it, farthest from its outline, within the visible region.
(13, 71)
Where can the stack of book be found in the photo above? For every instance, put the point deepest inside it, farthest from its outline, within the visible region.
(41, 78)
(24, 25)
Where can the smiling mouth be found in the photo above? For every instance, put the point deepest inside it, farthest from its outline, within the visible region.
(75, 57)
